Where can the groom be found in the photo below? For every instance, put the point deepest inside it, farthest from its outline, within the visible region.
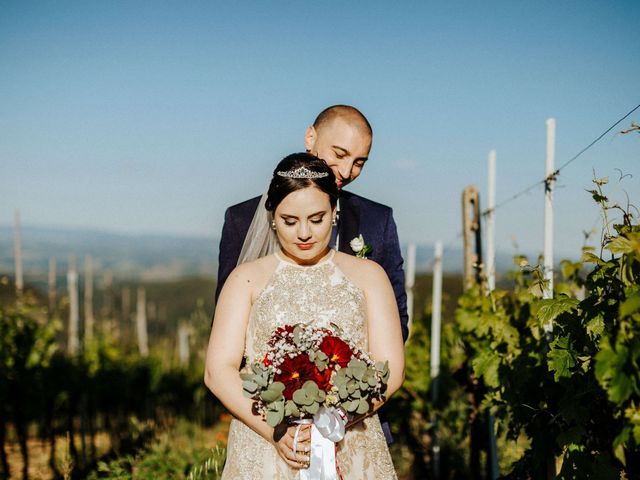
(341, 136)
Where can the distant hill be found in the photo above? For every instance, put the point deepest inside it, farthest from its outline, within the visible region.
(150, 257)
(143, 257)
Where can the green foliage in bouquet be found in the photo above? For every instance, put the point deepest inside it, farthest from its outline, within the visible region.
(355, 381)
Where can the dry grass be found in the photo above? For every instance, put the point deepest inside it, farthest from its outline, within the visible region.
(39, 455)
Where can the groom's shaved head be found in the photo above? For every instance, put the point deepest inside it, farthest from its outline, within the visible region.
(341, 136)
(349, 114)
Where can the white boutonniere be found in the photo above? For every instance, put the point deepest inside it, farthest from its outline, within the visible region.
(359, 247)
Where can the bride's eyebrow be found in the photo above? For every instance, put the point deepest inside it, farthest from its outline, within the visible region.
(321, 212)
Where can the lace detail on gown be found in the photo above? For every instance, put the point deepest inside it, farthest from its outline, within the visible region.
(320, 294)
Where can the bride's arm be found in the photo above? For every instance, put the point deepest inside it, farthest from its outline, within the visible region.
(226, 348)
(383, 325)
(222, 365)
(383, 329)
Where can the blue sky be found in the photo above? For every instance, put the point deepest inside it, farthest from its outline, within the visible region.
(156, 116)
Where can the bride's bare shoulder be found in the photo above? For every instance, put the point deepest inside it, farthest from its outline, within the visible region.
(254, 274)
(360, 271)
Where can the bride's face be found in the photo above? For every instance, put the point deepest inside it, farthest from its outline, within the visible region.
(303, 224)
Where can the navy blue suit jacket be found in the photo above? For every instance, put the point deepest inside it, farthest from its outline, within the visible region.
(358, 216)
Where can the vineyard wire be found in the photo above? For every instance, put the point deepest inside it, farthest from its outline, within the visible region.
(458, 236)
(554, 175)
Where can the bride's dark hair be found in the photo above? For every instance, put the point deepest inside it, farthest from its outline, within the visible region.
(298, 171)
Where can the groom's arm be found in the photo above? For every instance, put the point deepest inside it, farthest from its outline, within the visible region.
(230, 246)
(236, 225)
(392, 263)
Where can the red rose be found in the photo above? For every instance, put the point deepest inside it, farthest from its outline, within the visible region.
(337, 350)
(323, 379)
(295, 372)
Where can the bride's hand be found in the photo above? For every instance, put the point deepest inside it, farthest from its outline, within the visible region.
(283, 437)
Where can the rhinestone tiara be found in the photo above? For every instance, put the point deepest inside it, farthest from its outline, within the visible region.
(302, 172)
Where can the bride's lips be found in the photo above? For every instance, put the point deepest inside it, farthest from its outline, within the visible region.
(304, 246)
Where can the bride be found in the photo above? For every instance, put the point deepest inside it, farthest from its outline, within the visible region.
(302, 281)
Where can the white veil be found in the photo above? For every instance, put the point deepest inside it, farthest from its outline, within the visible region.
(261, 239)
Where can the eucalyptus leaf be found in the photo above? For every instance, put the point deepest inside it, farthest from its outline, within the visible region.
(300, 397)
(291, 409)
(342, 391)
(274, 418)
(313, 408)
(277, 386)
(363, 407)
(262, 380)
(270, 395)
(351, 405)
(310, 387)
(249, 386)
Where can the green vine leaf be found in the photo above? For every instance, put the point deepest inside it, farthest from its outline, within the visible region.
(619, 245)
(610, 371)
(561, 358)
(630, 306)
(551, 308)
(486, 365)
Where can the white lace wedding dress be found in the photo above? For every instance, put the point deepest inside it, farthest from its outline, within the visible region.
(319, 294)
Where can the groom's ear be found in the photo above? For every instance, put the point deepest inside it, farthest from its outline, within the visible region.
(310, 138)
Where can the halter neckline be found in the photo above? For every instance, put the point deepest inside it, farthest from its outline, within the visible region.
(327, 258)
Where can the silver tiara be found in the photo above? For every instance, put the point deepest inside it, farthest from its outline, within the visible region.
(302, 172)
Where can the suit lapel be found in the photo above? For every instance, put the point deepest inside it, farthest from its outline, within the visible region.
(349, 221)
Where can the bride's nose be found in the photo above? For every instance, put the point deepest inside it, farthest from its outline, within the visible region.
(303, 231)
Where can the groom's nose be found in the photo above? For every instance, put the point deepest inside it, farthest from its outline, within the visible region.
(344, 169)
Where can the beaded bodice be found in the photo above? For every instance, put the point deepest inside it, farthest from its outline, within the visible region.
(319, 294)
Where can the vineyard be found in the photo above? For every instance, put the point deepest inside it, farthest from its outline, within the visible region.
(555, 381)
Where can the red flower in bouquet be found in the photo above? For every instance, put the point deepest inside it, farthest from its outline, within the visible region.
(323, 379)
(337, 350)
(286, 329)
(294, 372)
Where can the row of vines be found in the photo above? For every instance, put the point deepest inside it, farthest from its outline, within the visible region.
(47, 394)
(561, 376)
(565, 372)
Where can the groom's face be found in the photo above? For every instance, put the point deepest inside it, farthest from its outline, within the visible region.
(343, 145)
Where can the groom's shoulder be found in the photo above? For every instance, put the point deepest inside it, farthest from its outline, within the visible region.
(244, 209)
(366, 203)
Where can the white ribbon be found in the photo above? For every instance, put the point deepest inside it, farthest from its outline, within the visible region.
(327, 429)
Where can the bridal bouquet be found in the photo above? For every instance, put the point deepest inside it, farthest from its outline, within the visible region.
(308, 371)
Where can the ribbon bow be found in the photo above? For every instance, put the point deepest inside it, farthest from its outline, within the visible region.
(327, 429)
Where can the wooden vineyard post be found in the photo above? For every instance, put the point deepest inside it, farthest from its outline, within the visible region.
(74, 312)
(125, 325)
(184, 332)
(490, 222)
(547, 291)
(473, 275)
(550, 175)
(88, 300)
(18, 257)
(410, 280)
(436, 325)
(471, 237)
(52, 288)
(491, 284)
(141, 323)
